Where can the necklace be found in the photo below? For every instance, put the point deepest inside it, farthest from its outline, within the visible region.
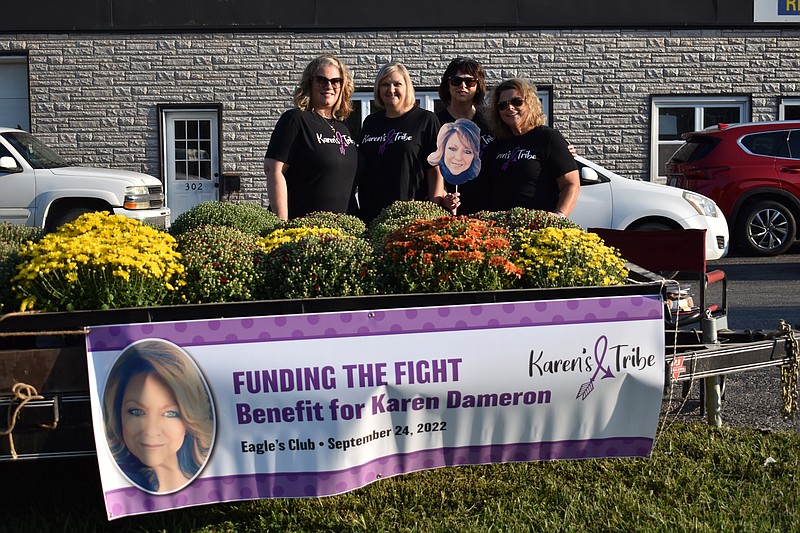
(326, 121)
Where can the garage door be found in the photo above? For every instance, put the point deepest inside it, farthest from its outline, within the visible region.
(14, 99)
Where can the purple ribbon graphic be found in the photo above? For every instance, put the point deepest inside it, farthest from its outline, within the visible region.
(342, 143)
(389, 140)
(599, 356)
(513, 159)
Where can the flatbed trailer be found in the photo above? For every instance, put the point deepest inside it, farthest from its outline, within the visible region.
(44, 383)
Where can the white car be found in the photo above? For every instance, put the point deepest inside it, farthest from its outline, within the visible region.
(39, 188)
(607, 200)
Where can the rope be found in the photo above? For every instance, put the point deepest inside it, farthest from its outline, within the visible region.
(17, 313)
(47, 333)
(665, 422)
(789, 371)
(24, 393)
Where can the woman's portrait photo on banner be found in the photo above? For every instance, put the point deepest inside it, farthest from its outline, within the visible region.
(458, 151)
(158, 415)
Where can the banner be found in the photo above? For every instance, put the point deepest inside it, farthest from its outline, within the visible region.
(196, 412)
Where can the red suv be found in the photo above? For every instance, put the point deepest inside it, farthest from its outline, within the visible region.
(752, 171)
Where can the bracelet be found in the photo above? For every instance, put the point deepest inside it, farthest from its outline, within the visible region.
(559, 213)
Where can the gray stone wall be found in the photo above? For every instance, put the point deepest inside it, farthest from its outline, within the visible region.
(95, 96)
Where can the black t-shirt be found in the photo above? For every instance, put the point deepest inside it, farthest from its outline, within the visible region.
(395, 152)
(322, 162)
(522, 170)
(474, 194)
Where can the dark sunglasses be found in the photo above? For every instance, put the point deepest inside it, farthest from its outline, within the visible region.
(322, 81)
(456, 81)
(516, 102)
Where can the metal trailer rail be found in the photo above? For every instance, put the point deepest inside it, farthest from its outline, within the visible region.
(689, 358)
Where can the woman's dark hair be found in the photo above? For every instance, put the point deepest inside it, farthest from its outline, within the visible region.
(467, 66)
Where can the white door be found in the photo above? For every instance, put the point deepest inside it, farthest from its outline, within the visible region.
(192, 158)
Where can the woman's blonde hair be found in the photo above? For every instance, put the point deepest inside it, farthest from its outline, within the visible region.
(386, 71)
(172, 366)
(302, 94)
(533, 119)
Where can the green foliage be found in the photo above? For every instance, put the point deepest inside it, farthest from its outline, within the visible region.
(220, 264)
(446, 254)
(349, 224)
(12, 237)
(246, 217)
(398, 215)
(16, 234)
(9, 259)
(518, 219)
(310, 265)
(98, 261)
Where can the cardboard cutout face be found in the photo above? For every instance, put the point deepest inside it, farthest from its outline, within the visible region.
(457, 151)
(458, 154)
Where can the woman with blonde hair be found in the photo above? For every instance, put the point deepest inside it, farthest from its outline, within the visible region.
(528, 164)
(158, 416)
(395, 143)
(312, 160)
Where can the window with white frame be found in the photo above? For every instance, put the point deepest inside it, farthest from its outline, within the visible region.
(672, 116)
(789, 109)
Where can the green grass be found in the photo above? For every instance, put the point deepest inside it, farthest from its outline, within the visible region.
(699, 479)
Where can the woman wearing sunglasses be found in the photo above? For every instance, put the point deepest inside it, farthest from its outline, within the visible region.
(311, 161)
(462, 89)
(395, 142)
(528, 164)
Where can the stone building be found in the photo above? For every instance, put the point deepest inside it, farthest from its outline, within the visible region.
(189, 91)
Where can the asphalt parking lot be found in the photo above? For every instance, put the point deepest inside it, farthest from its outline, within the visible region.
(761, 291)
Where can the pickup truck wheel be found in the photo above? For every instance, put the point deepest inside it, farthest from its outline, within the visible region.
(68, 216)
(766, 228)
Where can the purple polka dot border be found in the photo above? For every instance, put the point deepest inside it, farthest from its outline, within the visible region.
(202, 491)
(382, 322)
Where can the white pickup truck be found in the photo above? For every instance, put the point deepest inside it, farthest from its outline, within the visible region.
(39, 188)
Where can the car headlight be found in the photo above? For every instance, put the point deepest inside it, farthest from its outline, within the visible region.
(704, 206)
(136, 197)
